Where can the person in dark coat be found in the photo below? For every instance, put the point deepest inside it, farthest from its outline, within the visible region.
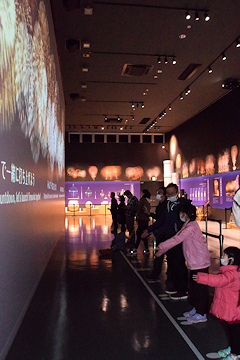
(114, 209)
(169, 224)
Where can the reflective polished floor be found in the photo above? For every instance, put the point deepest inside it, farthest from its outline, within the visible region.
(88, 307)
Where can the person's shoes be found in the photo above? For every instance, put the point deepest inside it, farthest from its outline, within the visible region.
(190, 313)
(225, 352)
(179, 296)
(197, 318)
(133, 252)
(170, 290)
(232, 357)
(146, 251)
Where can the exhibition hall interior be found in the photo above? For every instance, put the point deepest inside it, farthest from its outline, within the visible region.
(101, 97)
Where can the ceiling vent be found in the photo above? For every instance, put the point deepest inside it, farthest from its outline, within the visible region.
(136, 70)
(144, 120)
(189, 71)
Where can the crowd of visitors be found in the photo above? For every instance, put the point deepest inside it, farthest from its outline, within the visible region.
(178, 236)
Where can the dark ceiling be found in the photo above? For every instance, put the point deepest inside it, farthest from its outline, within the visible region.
(128, 37)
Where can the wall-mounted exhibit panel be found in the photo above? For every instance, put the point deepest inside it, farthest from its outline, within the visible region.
(96, 193)
(217, 189)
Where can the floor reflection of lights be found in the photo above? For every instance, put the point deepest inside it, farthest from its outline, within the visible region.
(140, 342)
(123, 302)
(105, 302)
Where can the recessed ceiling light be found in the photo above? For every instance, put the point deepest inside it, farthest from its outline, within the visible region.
(182, 36)
(88, 10)
(189, 26)
(159, 71)
(86, 44)
(155, 76)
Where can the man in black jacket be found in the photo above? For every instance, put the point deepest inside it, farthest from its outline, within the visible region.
(169, 224)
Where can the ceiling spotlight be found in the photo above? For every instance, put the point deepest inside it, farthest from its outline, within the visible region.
(187, 15)
(121, 128)
(84, 85)
(86, 44)
(174, 61)
(84, 69)
(210, 70)
(88, 10)
(197, 16)
(170, 108)
(165, 60)
(119, 118)
(186, 92)
(224, 56)
(159, 60)
(133, 118)
(206, 16)
(133, 106)
(102, 127)
(181, 97)
(164, 113)
(105, 118)
(237, 43)
(142, 105)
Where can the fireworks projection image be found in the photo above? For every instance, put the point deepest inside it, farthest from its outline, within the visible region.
(32, 151)
(29, 90)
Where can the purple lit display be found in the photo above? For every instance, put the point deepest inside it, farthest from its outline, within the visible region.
(98, 192)
(217, 189)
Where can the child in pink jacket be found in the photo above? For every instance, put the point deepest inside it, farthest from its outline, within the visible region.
(226, 301)
(198, 259)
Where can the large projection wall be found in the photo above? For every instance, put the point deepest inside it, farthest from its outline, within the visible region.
(32, 156)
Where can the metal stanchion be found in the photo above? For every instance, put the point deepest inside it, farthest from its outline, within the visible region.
(220, 237)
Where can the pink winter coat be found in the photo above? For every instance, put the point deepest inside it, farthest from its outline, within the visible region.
(194, 245)
(226, 297)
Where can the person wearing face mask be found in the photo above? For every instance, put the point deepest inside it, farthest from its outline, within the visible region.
(160, 212)
(226, 300)
(168, 225)
(197, 257)
(161, 207)
(143, 213)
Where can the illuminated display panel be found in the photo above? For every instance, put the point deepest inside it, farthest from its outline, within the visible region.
(98, 192)
(218, 189)
(31, 154)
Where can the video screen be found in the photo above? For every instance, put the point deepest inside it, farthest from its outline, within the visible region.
(32, 154)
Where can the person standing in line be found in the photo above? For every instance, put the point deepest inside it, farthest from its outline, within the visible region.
(226, 300)
(131, 210)
(143, 213)
(113, 209)
(198, 259)
(170, 224)
(160, 211)
(121, 216)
